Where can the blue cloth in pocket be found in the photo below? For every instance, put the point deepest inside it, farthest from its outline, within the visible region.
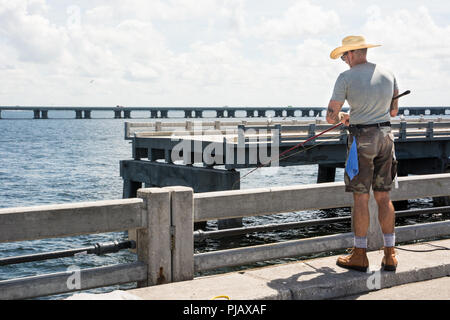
(351, 167)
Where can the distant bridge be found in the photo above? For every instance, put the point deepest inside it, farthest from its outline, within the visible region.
(42, 112)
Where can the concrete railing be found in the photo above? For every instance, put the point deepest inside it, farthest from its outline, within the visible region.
(164, 217)
(288, 130)
(64, 220)
(264, 201)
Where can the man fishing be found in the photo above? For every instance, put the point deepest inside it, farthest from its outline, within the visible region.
(369, 90)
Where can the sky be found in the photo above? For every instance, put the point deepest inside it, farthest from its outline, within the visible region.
(213, 52)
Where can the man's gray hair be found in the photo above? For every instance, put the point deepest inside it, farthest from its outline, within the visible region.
(361, 52)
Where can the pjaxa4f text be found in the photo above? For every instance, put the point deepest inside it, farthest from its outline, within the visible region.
(232, 310)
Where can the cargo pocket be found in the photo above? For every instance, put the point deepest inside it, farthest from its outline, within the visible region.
(391, 136)
(394, 168)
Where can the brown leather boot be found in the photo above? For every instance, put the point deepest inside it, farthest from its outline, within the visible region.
(389, 262)
(357, 260)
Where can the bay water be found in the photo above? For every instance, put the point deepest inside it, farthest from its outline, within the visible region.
(66, 160)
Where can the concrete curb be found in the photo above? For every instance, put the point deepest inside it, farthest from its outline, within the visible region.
(312, 279)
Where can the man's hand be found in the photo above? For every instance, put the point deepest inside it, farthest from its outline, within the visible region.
(344, 118)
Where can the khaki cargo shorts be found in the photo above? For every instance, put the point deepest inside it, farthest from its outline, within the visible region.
(376, 159)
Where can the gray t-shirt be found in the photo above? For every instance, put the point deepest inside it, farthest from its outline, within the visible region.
(368, 89)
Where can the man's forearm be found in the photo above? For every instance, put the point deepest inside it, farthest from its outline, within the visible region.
(393, 110)
(332, 116)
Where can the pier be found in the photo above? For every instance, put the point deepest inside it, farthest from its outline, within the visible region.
(206, 155)
(164, 221)
(119, 112)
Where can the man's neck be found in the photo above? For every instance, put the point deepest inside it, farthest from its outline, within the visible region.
(361, 61)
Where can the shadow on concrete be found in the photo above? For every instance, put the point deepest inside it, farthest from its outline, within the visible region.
(322, 283)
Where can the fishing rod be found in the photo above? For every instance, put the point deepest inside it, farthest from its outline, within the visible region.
(290, 149)
(301, 144)
(401, 95)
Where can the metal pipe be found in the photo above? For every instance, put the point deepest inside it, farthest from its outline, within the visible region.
(98, 249)
(200, 235)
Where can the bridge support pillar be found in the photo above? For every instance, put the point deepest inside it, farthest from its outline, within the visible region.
(219, 114)
(164, 113)
(326, 173)
(261, 113)
(278, 113)
(250, 113)
(37, 114)
(153, 114)
(198, 113)
(159, 174)
(290, 113)
(44, 114)
(230, 113)
(87, 114)
(78, 114)
(117, 114)
(127, 114)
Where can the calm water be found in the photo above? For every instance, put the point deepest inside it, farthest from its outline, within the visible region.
(67, 160)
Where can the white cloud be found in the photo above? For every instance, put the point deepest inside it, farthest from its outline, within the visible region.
(301, 19)
(210, 52)
(415, 48)
(33, 36)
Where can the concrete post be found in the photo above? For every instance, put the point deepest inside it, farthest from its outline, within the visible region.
(117, 114)
(78, 114)
(127, 114)
(182, 227)
(374, 235)
(153, 243)
(188, 125)
(37, 114)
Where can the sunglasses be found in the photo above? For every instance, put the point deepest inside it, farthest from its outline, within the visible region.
(345, 54)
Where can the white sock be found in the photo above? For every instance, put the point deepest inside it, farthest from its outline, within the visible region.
(389, 239)
(360, 242)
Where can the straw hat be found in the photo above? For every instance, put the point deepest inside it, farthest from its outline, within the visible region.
(351, 43)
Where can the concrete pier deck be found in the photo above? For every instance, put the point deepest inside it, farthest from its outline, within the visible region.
(319, 279)
(313, 279)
